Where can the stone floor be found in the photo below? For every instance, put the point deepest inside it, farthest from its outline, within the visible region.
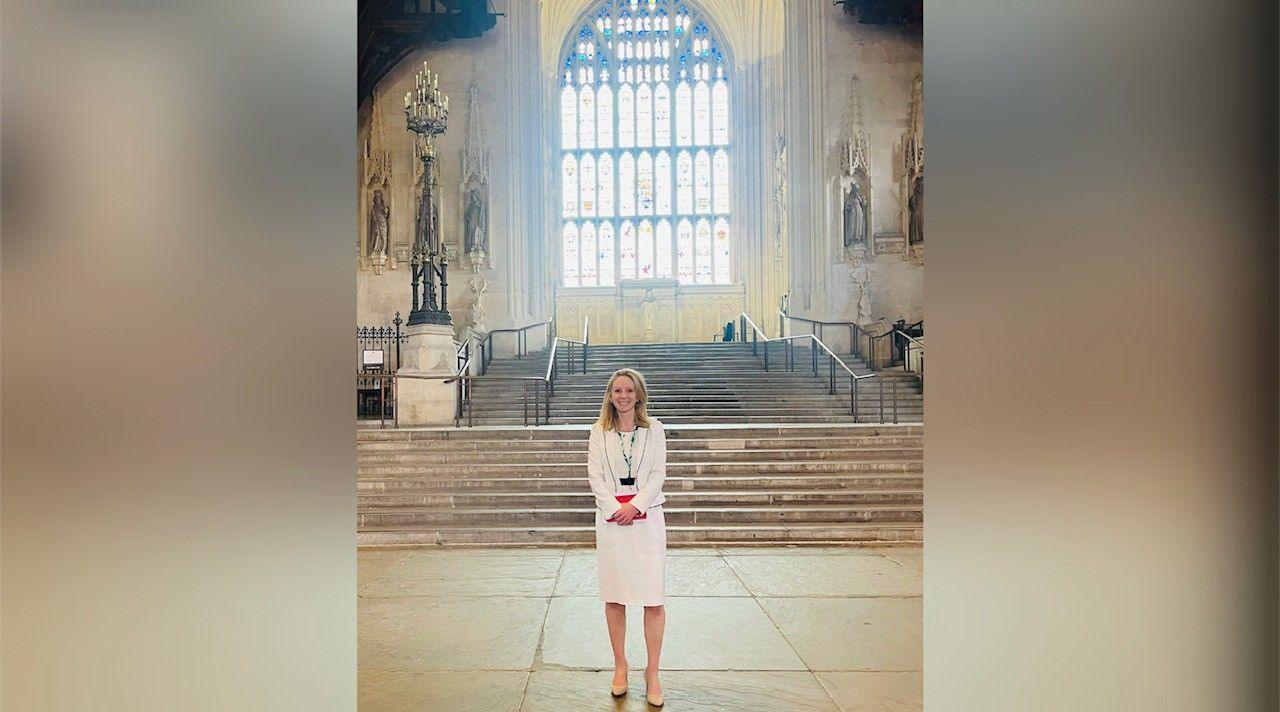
(748, 629)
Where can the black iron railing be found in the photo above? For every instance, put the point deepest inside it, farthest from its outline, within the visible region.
(377, 355)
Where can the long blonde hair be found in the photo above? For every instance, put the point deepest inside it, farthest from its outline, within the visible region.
(609, 414)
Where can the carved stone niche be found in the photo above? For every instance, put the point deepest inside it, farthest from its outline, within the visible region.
(854, 182)
(913, 176)
(648, 309)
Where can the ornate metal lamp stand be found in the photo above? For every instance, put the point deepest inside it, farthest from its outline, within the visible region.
(422, 395)
(426, 112)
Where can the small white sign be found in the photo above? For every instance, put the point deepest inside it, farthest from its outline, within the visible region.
(372, 358)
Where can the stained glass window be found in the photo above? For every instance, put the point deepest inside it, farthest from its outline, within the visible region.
(626, 117)
(720, 113)
(644, 116)
(684, 115)
(569, 185)
(684, 252)
(684, 183)
(604, 187)
(605, 237)
(722, 251)
(701, 182)
(662, 189)
(627, 184)
(640, 74)
(569, 117)
(720, 181)
(588, 237)
(662, 115)
(701, 114)
(569, 258)
(644, 254)
(627, 250)
(604, 127)
(645, 182)
(587, 183)
(662, 265)
(587, 118)
(702, 251)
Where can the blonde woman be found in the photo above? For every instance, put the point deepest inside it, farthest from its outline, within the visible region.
(626, 464)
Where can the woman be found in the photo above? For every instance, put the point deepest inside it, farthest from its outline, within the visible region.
(626, 464)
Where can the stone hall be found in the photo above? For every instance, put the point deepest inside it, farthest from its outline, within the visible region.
(725, 195)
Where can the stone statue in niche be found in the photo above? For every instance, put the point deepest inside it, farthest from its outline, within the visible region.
(379, 229)
(855, 215)
(915, 210)
(475, 184)
(855, 178)
(379, 225)
(476, 222)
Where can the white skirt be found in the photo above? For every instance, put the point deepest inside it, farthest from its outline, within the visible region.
(632, 559)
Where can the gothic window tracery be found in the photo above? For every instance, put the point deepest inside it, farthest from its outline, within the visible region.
(646, 154)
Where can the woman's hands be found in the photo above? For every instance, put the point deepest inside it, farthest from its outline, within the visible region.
(625, 515)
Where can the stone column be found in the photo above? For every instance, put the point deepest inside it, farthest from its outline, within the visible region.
(806, 88)
(429, 350)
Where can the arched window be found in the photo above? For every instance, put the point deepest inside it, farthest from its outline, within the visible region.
(644, 89)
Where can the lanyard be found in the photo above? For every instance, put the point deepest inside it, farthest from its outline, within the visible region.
(626, 456)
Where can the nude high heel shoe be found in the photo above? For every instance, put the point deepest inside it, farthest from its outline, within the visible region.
(618, 691)
(655, 700)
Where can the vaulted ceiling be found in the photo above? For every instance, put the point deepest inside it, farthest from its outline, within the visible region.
(389, 30)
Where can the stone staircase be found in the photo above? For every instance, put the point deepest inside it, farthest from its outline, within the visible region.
(726, 485)
(754, 457)
(702, 383)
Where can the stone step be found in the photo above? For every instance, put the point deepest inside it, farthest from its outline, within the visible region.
(706, 398)
(581, 498)
(853, 533)
(523, 469)
(681, 456)
(579, 444)
(548, 516)
(862, 482)
(761, 455)
(755, 430)
(869, 418)
(709, 413)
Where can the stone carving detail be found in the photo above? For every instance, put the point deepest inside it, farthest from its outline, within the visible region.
(855, 180)
(861, 294)
(647, 311)
(475, 182)
(780, 200)
(376, 182)
(479, 286)
(475, 207)
(913, 174)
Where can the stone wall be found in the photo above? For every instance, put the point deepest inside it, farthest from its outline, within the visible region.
(795, 64)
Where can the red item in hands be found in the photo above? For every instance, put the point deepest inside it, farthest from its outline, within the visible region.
(623, 499)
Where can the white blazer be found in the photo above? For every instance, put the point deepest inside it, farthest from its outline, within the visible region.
(605, 467)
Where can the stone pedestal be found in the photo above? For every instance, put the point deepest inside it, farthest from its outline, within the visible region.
(429, 350)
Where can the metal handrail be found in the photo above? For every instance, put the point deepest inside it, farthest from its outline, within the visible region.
(854, 378)
(538, 401)
(910, 338)
(522, 342)
(912, 343)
